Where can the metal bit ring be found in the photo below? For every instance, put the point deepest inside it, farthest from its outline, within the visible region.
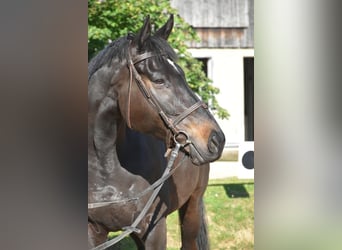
(182, 142)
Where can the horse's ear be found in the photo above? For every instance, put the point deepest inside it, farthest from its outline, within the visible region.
(144, 32)
(165, 31)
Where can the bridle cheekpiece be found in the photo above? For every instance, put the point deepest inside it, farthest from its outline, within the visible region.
(171, 123)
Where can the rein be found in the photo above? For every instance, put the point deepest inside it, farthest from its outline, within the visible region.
(161, 180)
(157, 185)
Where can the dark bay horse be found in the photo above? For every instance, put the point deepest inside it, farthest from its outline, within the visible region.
(138, 102)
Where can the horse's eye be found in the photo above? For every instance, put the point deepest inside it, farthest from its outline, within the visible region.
(159, 81)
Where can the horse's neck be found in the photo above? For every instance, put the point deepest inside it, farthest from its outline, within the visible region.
(103, 134)
(103, 119)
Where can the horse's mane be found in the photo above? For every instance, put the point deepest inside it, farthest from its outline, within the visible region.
(119, 48)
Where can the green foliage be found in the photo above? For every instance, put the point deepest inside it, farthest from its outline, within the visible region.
(111, 19)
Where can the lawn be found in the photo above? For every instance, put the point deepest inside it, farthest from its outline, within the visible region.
(230, 213)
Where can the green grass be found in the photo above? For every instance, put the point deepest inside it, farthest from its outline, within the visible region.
(230, 213)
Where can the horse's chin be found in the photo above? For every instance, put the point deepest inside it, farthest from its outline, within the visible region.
(196, 161)
(196, 157)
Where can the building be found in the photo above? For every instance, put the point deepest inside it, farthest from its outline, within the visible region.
(226, 29)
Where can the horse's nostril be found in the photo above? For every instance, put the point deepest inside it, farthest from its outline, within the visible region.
(213, 143)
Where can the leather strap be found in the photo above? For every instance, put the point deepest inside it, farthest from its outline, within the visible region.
(188, 111)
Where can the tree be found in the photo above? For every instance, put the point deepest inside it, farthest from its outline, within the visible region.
(111, 19)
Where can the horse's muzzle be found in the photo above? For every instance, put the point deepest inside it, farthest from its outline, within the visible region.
(214, 149)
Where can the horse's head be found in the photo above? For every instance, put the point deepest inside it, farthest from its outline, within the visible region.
(157, 99)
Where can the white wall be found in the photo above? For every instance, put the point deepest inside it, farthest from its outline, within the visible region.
(225, 68)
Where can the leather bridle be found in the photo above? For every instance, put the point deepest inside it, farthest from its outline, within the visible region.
(171, 123)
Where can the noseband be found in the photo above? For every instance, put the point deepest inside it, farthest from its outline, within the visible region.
(171, 123)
